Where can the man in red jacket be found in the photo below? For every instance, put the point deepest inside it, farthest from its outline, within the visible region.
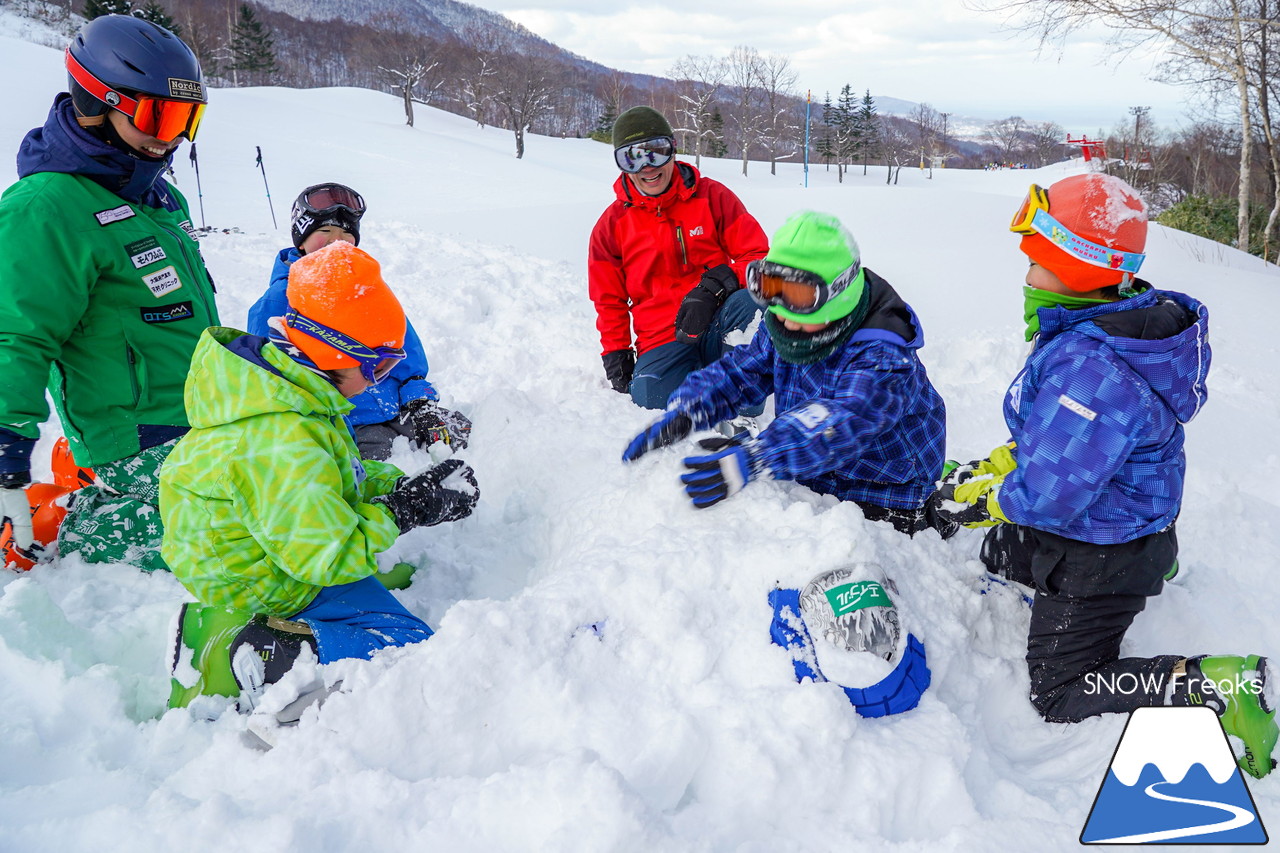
(667, 259)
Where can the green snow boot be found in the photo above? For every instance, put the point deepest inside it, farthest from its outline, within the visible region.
(1235, 687)
(231, 653)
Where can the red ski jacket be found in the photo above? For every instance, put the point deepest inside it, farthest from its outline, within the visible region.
(647, 252)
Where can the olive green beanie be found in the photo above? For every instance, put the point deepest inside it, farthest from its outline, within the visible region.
(638, 124)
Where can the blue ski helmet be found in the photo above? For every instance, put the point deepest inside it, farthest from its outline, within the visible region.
(135, 57)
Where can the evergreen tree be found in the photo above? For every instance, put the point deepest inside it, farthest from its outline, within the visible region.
(253, 47)
(717, 146)
(825, 145)
(824, 148)
(868, 129)
(845, 127)
(603, 131)
(98, 8)
(156, 14)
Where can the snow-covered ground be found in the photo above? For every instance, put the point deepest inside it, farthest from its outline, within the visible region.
(673, 724)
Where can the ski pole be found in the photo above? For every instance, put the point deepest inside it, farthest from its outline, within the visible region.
(264, 183)
(195, 163)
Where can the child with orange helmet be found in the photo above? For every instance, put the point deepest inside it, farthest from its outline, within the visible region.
(1082, 502)
(274, 520)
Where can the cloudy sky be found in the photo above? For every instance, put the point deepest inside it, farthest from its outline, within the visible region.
(931, 51)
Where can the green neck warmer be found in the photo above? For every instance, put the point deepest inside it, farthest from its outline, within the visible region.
(1033, 299)
(809, 347)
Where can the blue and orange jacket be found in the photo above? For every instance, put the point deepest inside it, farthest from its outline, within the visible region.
(1098, 413)
(648, 252)
(863, 424)
(379, 403)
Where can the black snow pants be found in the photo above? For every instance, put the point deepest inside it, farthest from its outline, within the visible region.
(1086, 597)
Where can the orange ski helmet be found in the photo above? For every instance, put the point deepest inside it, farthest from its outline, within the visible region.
(340, 287)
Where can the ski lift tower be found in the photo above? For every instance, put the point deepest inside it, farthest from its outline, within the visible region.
(1091, 150)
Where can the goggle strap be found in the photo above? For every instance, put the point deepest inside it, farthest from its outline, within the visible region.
(1085, 250)
(344, 344)
(100, 90)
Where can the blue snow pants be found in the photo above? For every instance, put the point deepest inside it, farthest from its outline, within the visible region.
(354, 620)
(660, 370)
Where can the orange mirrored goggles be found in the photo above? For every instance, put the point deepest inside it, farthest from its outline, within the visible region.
(164, 118)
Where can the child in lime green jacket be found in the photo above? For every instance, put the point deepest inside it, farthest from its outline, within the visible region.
(272, 520)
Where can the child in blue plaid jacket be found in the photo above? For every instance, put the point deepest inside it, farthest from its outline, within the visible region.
(857, 417)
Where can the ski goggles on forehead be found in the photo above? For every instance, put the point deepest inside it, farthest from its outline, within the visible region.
(796, 290)
(326, 198)
(651, 152)
(163, 118)
(1033, 217)
(375, 362)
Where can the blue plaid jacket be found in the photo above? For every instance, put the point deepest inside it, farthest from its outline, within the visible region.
(1097, 413)
(863, 424)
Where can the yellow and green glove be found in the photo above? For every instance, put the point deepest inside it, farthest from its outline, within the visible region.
(969, 494)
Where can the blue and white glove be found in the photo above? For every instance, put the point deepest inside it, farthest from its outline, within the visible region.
(673, 426)
(725, 467)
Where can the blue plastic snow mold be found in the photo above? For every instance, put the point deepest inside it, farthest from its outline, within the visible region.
(899, 691)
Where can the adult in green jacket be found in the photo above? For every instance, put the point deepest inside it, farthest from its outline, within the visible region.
(272, 520)
(103, 293)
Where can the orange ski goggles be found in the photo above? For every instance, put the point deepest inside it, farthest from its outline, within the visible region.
(164, 118)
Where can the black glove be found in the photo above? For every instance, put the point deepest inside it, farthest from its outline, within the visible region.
(701, 304)
(432, 422)
(425, 499)
(618, 367)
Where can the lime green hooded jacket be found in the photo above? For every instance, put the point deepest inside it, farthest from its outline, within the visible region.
(265, 500)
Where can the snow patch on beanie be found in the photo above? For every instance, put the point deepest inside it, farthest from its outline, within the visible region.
(1120, 204)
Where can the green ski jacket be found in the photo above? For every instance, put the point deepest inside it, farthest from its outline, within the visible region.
(102, 301)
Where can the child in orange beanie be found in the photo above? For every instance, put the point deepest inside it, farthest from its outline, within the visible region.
(1081, 503)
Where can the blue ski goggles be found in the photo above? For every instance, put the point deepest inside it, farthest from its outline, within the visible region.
(650, 152)
(375, 362)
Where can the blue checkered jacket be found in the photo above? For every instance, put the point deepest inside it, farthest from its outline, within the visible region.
(863, 424)
(1097, 413)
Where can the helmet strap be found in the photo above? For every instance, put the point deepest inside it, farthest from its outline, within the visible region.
(91, 121)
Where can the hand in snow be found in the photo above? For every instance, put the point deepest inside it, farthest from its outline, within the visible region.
(727, 466)
(673, 426)
(447, 492)
(619, 365)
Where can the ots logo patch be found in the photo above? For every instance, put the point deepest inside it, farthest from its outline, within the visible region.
(168, 313)
(1173, 779)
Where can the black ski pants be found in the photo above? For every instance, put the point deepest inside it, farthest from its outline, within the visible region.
(1086, 597)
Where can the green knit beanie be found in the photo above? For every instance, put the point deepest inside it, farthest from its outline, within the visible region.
(638, 124)
(818, 243)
